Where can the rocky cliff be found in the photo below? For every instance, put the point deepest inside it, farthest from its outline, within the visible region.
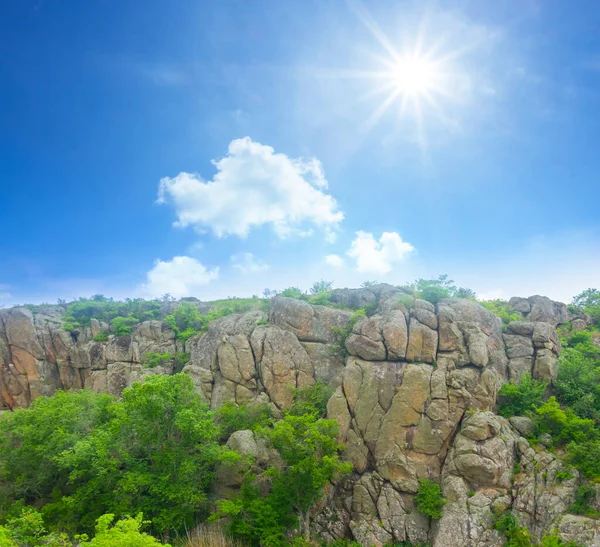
(415, 388)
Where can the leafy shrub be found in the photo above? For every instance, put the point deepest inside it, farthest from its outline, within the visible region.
(122, 325)
(518, 399)
(585, 456)
(181, 359)
(429, 499)
(80, 312)
(589, 302)
(230, 418)
(319, 299)
(155, 454)
(564, 475)
(321, 286)
(578, 383)
(310, 454)
(101, 337)
(28, 530)
(33, 439)
(342, 333)
(581, 505)
(153, 360)
(185, 321)
(123, 533)
(292, 292)
(433, 293)
(311, 400)
(503, 310)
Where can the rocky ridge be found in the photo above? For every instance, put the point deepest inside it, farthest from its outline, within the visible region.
(414, 396)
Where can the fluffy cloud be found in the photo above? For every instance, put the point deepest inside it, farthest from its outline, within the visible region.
(254, 186)
(334, 260)
(248, 263)
(378, 256)
(181, 276)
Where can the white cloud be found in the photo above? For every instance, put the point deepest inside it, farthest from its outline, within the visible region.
(378, 256)
(334, 260)
(181, 276)
(253, 187)
(248, 263)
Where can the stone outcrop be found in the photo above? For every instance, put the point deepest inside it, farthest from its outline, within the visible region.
(414, 392)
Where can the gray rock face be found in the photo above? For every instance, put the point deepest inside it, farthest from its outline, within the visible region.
(541, 309)
(532, 348)
(413, 395)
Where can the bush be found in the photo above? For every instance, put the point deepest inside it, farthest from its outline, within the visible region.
(585, 456)
(181, 359)
(311, 400)
(28, 530)
(292, 292)
(124, 533)
(518, 399)
(578, 383)
(101, 337)
(33, 439)
(503, 310)
(433, 293)
(429, 499)
(153, 360)
(583, 498)
(321, 287)
(230, 418)
(309, 452)
(122, 325)
(342, 333)
(80, 313)
(156, 455)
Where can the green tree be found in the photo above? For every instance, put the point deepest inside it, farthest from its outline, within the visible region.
(429, 499)
(292, 292)
(28, 530)
(310, 457)
(309, 451)
(33, 439)
(519, 399)
(122, 325)
(123, 533)
(155, 455)
(322, 286)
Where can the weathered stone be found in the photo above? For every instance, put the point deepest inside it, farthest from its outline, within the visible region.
(308, 323)
(366, 340)
(523, 425)
(422, 342)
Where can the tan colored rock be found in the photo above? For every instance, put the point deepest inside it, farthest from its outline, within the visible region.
(422, 342)
(308, 323)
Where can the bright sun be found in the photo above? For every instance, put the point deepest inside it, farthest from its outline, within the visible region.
(413, 75)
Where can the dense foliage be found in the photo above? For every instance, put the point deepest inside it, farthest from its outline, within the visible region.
(522, 398)
(572, 414)
(429, 499)
(433, 290)
(503, 310)
(153, 452)
(27, 529)
(518, 536)
(310, 455)
(135, 310)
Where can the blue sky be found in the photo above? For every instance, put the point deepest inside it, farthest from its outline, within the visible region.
(294, 144)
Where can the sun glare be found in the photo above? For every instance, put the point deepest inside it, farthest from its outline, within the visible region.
(413, 75)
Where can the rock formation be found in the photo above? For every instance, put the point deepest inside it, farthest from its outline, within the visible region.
(414, 393)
